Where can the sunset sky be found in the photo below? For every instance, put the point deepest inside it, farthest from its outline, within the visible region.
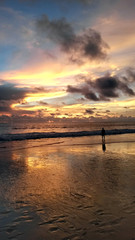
(67, 59)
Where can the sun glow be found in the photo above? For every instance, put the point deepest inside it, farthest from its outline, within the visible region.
(44, 96)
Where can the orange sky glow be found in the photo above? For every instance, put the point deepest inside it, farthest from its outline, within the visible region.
(69, 72)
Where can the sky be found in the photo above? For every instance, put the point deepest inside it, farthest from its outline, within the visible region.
(67, 60)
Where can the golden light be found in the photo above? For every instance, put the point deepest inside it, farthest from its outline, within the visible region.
(42, 96)
(34, 162)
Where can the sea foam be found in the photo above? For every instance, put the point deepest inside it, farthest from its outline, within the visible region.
(39, 135)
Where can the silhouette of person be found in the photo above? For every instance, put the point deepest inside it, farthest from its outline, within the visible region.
(103, 134)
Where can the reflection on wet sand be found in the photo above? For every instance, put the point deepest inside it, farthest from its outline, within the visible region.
(103, 145)
(67, 192)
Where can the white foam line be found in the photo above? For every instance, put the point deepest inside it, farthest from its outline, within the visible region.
(39, 135)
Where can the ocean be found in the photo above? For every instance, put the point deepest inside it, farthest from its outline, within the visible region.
(62, 181)
(21, 131)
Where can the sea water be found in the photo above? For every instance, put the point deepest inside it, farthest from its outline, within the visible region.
(28, 130)
(25, 127)
(67, 188)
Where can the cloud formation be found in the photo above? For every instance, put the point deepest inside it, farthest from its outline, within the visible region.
(5, 106)
(103, 89)
(84, 90)
(9, 93)
(130, 75)
(88, 45)
(90, 111)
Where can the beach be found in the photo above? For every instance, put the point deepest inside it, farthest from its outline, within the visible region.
(68, 188)
(67, 120)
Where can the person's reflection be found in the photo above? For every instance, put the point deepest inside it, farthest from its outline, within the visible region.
(103, 145)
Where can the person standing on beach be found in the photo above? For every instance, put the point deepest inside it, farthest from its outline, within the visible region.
(103, 134)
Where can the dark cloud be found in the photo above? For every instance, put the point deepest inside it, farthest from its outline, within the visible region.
(53, 114)
(72, 89)
(9, 94)
(107, 87)
(93, 45)
(124, 87)
(85, 90)
(4, 106)
(42, 103)
(89, 44)
(41, 89)
(103, 89)
(110, 86)
(59, 31)
(128, 75)
(22, 112)
(91, 95)
(89, 111)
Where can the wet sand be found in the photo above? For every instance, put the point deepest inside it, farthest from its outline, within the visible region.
(68, 189)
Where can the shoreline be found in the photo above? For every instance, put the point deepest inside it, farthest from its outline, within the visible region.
(84, 141)
(42, 135)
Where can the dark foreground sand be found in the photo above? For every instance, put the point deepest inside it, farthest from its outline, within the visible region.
(68, 189)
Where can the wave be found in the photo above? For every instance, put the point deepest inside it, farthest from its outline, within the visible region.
(39, 135)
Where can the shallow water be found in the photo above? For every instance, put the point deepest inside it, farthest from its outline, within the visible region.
(68, 189)
(30, 127)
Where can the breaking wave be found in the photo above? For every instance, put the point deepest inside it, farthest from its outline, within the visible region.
(39, 135)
